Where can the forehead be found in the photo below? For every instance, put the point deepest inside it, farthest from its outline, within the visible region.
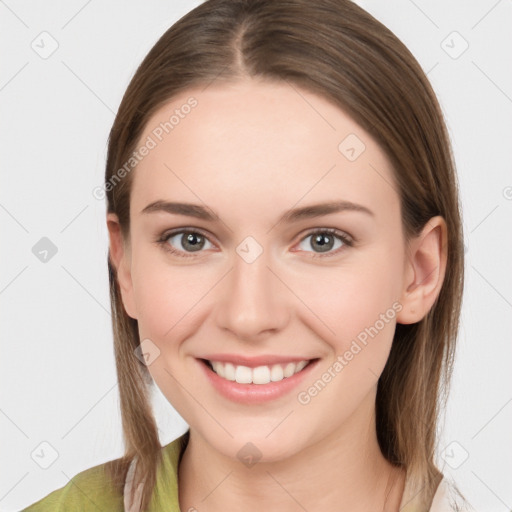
(258, 144)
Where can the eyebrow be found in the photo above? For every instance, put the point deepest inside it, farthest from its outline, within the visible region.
(294, 215)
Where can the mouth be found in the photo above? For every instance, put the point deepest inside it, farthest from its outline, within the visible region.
(253, 382)
(258, 375)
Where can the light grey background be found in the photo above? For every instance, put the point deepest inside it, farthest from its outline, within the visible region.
(57, 376)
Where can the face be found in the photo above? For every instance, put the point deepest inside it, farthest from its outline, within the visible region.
(284, 270)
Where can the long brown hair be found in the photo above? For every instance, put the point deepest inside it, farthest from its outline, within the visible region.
(337, 50)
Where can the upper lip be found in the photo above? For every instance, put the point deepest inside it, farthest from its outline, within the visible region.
(254, 361)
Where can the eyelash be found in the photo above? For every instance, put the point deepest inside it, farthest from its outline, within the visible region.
(343, 237)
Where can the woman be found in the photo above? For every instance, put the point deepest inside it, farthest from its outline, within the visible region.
(285, 263)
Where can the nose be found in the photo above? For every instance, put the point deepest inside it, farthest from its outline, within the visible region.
(253, 303)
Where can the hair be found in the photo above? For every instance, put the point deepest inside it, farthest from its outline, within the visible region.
(336, 50)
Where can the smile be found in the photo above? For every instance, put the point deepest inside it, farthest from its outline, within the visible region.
(255, 380)
(258, 375)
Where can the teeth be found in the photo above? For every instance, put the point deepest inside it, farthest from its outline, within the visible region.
(258, 375)
(276, 373)
(229, 371)
(289, 369)
(243, 375)
(301, 365)
(219, 369)
(261, 375)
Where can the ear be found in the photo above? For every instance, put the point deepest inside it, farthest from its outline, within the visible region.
(120, 257)
(424, 272)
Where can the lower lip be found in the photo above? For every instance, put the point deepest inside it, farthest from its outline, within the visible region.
(255, 393)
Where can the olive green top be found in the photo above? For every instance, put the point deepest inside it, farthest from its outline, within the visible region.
(91, 490)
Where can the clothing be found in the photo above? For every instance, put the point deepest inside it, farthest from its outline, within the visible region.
(89, 490)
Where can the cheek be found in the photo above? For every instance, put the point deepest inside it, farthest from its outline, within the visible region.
(359, 304)
(166, 296)
(168, 301)
(348, 300)
(360, 308)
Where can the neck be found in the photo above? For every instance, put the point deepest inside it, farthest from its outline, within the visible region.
(344, 472)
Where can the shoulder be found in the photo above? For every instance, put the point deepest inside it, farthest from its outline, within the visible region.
(445, 498)
(91, 489)
(448, 498)
(165, 492)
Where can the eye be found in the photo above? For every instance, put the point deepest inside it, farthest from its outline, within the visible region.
(185, 241)
(325, 242)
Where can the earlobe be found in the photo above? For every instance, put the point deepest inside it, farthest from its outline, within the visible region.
(120, 258)
(424, 272)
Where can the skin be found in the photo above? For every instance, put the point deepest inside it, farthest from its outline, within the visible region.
(250, 151)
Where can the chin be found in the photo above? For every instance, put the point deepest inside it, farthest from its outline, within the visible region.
(260, 442)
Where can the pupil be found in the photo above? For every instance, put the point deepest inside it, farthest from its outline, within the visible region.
(325, 242)
(192, 241)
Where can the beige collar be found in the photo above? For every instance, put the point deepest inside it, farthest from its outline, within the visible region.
(135, 506)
